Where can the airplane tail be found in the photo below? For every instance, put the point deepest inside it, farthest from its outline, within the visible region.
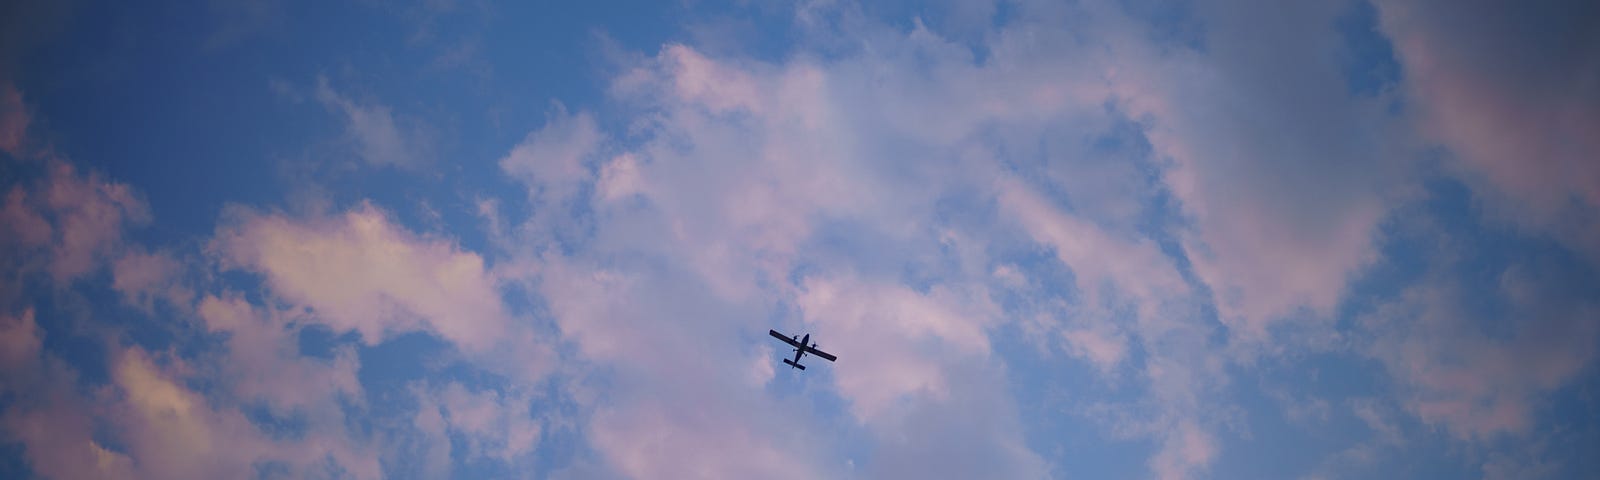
(792, 364)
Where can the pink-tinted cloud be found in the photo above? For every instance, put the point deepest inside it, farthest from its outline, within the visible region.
(553, 160)
(173, 432)
(696, 230)
(1182, 450)
(1510, 90)
(142, 278)
(656, 332)
(1104, 349)
(360, 272)
(263, 363)
(897, 339)
(646, 441)
(493, 424)
(1103, 264)
(1285, 203)
(52, 422)
(67, 224)
(156, 426)
(22, 222)
(19, 341)
(89, 217)
(1476, 384)
(14, 120)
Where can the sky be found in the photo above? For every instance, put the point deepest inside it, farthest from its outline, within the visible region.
(1095, 239)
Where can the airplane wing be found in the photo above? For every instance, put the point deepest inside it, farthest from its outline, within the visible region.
(821, 353)
(780, 336)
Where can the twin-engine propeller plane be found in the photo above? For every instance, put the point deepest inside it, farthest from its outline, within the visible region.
(801, 349)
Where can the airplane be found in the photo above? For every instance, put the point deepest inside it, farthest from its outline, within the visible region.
(800, 349)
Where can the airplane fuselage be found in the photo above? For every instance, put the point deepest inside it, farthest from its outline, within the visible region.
(801, 350)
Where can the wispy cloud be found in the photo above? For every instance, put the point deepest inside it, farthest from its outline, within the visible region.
(380, 137)
(1045, 240)
(1519, 124)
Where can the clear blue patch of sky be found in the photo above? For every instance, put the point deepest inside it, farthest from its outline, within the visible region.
(1368, 58)
(1269, 443)
(63, 320)
(137, 92)
(1569, 426)
(321, 342)
(389, 368)
(279, 426)
(12, 461)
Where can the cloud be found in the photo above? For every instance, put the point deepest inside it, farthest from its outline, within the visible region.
(553, 160)
(1479, 383)
(662, 347)
(360, 272)
(1510, 92)
(922, 194)
(696, 230)
(145, 424)
(89, 216)
(1285, 203)
(48, 418)
(919, 365)
(1103, 265)
(493, 424)
(174, 432)
(264, 363)
(142, 278)
(644, 441)
(14, 120)
(1183, 450)
(66, 223)
(885, 330)
(380, 138)
(25, 225)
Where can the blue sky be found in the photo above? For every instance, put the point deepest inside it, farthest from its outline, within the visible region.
(1095, 239)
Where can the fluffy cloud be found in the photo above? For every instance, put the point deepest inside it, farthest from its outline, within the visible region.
(67, 223)
(696, 231)
(264, 363)
(243, 397)
(553, 160)
(1168, 211)
(359, 272)
(53, 423)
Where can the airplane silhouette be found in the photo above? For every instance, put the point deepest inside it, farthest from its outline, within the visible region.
(800, 349)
